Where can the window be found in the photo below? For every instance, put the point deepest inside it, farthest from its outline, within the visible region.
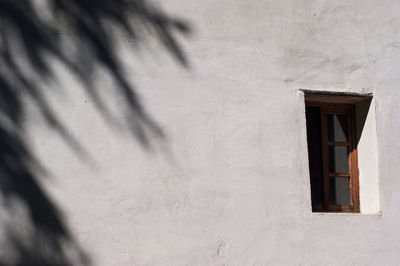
(332, 152)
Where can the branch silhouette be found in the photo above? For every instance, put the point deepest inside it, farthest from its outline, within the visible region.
(32, 35)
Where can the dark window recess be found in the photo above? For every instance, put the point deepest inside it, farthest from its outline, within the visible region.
(315, 155)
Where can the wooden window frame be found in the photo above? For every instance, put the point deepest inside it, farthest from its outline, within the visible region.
(347, 109)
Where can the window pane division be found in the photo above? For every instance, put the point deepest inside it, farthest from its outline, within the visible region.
(338, 159)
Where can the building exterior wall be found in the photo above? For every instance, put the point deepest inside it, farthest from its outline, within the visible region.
(229, 183)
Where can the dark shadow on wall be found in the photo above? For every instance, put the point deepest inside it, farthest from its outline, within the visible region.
(33, 230)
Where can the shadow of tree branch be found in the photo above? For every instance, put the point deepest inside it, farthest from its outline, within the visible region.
(32, 34)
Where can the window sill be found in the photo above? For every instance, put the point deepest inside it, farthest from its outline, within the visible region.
(350, 214)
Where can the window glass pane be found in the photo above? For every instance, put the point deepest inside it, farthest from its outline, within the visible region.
(338, 159)
(337, 128)
(339, 191)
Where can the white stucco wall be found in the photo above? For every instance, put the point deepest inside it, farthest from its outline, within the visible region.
(229, 185)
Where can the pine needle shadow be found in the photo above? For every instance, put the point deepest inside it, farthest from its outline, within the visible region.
(32, 35)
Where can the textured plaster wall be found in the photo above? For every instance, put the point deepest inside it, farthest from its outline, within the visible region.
(229, 185)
